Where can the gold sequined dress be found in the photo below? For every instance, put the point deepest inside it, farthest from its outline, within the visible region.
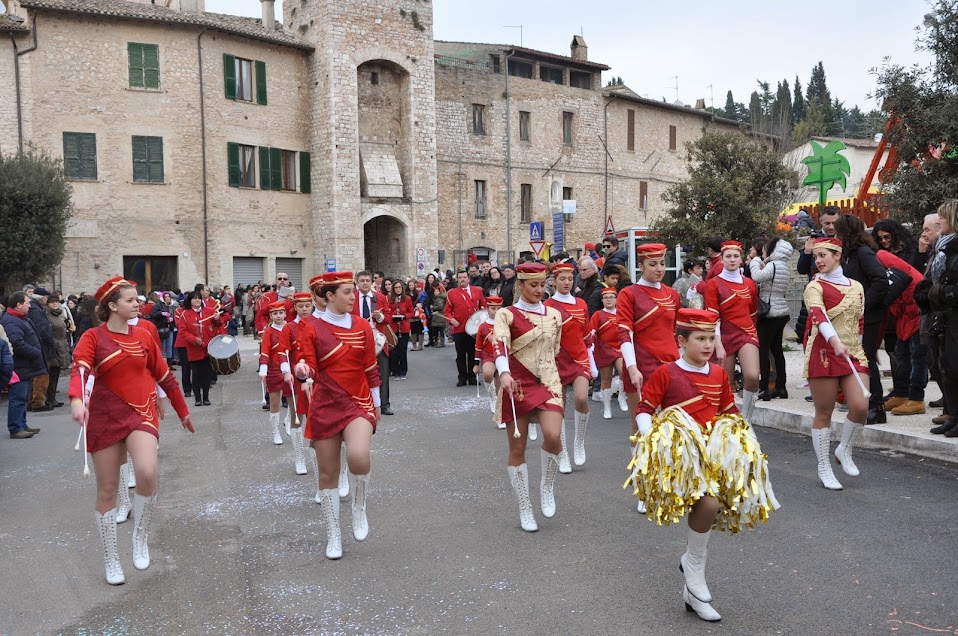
(532, 341)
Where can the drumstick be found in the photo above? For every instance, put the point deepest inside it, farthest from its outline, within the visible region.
(515, 417)
(293, 394)
(848, 359)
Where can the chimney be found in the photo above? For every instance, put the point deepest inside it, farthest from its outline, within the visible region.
(191, 6)
(700, 104)
(579, 49)
(269, 15)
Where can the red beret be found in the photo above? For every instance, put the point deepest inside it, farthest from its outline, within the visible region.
(697, 320)
(338, 278)
(106, 290)
(651, 250)
(563, 267)
(532, 271)
(732, 245)
(299, 297)
(830, 243)
(316, 282)
(279, 305)
(494, 300)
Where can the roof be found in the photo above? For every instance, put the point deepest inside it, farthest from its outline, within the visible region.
(624, 92)
(480, 52)
(12, 23)
(870, 144)
(123, 10)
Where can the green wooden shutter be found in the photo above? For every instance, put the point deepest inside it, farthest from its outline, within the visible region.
(151, 65)
(261, 82)
(233, 163)
(88, 156)
(135, 53)
(71, 155)
(229, 74)
(264, 178)
(275, 169)
(141, 170)
(304, 182)
(155, 155)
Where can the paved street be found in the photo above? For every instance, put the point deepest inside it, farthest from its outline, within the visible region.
(238, 544)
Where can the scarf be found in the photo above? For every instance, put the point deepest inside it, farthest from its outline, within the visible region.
(732, 277)
(938, 264)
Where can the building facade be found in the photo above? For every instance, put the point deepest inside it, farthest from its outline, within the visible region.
(218, 148)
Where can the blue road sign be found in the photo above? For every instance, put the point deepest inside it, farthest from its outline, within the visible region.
(536, 231)
(330, 264)
(558, 233)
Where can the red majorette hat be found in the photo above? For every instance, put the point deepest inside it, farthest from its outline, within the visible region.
(562, 267)
(609, 291)
(279, 305)
(651, 250)
(316, 282)
(731, 245)
(338, 278)
(106, 290)
(300, 297)
(494, 301)
(829, 243)
(696, 320)
(532, 271)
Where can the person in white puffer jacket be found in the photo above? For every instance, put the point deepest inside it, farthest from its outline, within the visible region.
(772, 275)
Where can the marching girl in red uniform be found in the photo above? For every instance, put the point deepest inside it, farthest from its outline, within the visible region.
(123, 413)
(836, 306)
(606, 353)
(733, 298)
(199, 325)
(574, 360)
(528, 335)
(339, 356)
(285, 354)
(401, 312)
(486, 358)
(269, 371)
(702, 458)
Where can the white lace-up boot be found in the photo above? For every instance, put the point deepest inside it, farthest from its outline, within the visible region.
(640, 506)
(821, 442)
(130, 475)
(748, 404)
(843, 452)
(298, 451)
(142, 518)
(274, 424)
(565, 467)
(312, 456)
(334, 537)
(360, 523)
(533, 432)
(550, 466)
(491, 392)
(106, 526)
(343, 472)
(519, 478)
(123, 506)
(578, 442)
(623, 399)
(606, 404)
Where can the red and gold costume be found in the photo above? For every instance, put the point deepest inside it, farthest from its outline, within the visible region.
(605, 326)
(844, 306)
(127, 368)
(573, 357)
(288, 353)
(485, 342)
(532, 342)
(702, 395)
(270, 352)
(342, 363)
(646, 321)
(735, 303)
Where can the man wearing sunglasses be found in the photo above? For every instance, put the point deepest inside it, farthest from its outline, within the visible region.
(612, 254)
(284, 292)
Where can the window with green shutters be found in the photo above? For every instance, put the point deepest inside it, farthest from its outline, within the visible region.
(144, 65)
(242, 78)
(241, 165)
(304, 182)
(148, 159)
(277, 170)
(79, 156)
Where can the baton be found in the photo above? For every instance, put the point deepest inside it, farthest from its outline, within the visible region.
(848, 359)
(512, 399)
(292, 395)
(83, 424)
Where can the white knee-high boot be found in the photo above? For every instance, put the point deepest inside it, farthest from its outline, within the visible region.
(106, 527)
(821, 442)
(578, 443)
(334, 537)
(748, 404)
(343, 472)
(298, 452)
(519, 478)
(623, 399)
(692, 564)
(640, 506)
(565, 467)
(360, 523)
(312, 456)
(274, 424)
(123, 495)
(606, 403)
(533, 432)
(550, 466)
(130, 475)
(843, 452)
(142, 519)
(491, 392)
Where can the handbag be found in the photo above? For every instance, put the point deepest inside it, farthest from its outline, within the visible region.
(764, 306)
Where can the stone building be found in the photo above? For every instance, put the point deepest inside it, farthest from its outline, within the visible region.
(212, 147)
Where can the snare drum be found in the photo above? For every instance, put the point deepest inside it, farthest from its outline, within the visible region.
(224, 354)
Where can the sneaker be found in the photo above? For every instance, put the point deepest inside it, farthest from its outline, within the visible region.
(21, 435)
(910, 407)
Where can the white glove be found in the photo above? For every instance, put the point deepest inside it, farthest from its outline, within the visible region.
(262, 370)
(644, 422)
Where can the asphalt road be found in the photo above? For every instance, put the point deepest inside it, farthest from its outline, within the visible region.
(238, 543)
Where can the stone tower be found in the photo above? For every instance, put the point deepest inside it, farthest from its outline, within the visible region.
(372, 131)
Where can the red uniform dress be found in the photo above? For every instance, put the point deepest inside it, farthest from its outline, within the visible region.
(573, 357)
(486, 343)
(646, 319)
(605, 330)
(736, 305)
(843, 306)
(127, 368)
(342, 362)
(198, 328)
(141, 323)
(402, 308)
(289, 342)
(269, 354)
(702, 395)
(532, 341)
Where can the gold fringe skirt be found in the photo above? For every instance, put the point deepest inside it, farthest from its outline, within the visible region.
(678, 462)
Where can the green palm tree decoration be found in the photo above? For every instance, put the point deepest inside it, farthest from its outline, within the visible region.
(826, 167)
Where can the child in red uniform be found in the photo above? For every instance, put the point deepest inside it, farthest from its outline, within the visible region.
(695, 396)
(123, 413)
(269, 371)
(339, 355)
(286, 354)
(574, 361)
(607, 356)
(486, 358)
(734, 301)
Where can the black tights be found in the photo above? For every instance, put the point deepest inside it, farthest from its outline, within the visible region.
(200, 371)
(770, 332)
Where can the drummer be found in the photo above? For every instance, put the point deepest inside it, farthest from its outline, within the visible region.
(199, 324)
(285, 356)
(269, 371)
(486, 357)
(461, 303)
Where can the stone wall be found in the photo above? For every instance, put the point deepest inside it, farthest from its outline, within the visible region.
(8, 97)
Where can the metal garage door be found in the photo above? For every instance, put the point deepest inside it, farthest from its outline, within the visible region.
(247, 270)
(293, 267)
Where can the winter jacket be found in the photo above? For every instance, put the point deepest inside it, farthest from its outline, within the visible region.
(619, 258)
(773, 279)
(58, 327)
(507, 291)
(6, 364)
(37, 315)
(863, 265)
(28, 360)
(588, 289)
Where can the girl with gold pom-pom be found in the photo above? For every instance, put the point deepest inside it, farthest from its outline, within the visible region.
(695, 454)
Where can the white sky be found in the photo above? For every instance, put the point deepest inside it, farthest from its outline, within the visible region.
(726, 45)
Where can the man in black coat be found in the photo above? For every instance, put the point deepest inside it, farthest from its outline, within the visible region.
(613, 255)
(588, 283)
(29, 363)
(37, 315)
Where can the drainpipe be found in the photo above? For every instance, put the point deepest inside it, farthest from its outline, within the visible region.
(459, 179)
(606, 125)
(508, 160)
(16, 75)
(206, 224)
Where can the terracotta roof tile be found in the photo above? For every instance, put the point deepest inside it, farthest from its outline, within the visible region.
(123, 10)
(10, 23)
